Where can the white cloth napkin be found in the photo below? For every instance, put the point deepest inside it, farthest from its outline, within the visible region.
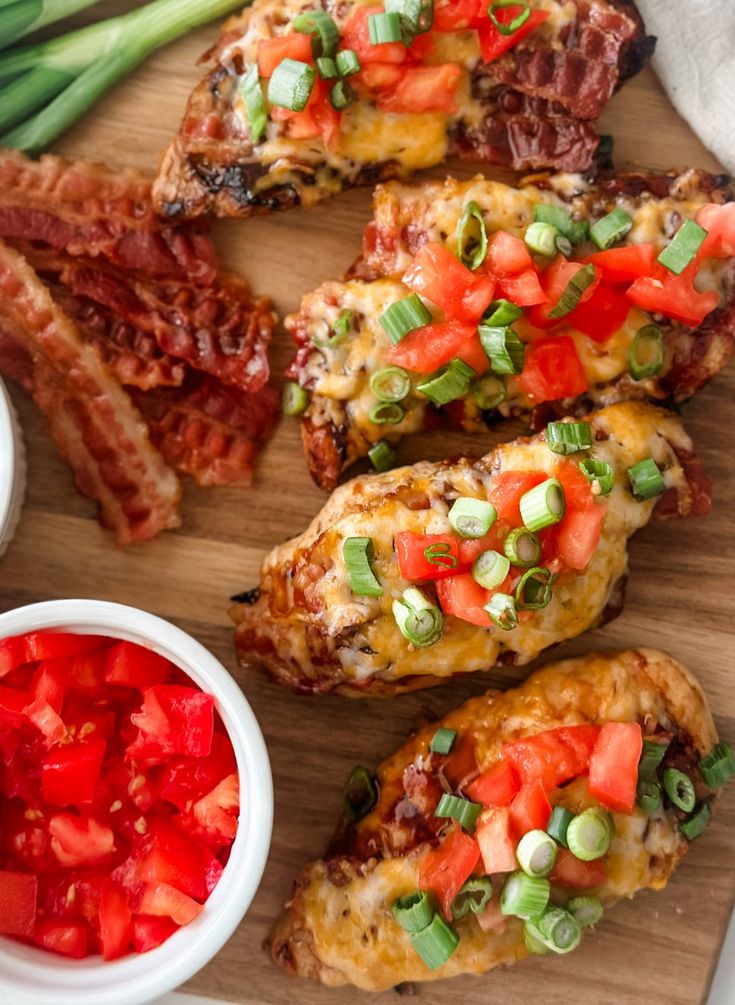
(695, 61)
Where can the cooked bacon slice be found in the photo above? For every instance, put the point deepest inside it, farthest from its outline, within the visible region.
(210, 431)
(87, 209)
(98, 430)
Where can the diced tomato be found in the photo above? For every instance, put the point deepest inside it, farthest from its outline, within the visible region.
(424, 89)
(571, 871)
(414, 564)
(12, 654)
(79, 840)
(115, 921)
(553, 756)
(461, 762)
(464, 598)
(60, 645)
(577, 488)
(530, 810)
(356, 35)
(150, 932)
(478, 298)
(173, 719)
(25, 839)
(552, 370)
(379, 76)
(271, 51)
(72, 895)
(428, 348)
(166, 901)
(166, 855)
(423, 47)
(18, 892)
(614, 765)
(49, 683)
(135, 666)
(440, 277)
(65, 938)
(326, 116)
(495, 787)
(492, 918)
(554, 281)
(524, 290)
(213, 818)
(445, 870)
(719, 222)
(69, 774)
(673, 296)
(12, 706)
(493, 43)
(508, 488)
(472, 547)
(45, 718)
(623, 265)
(579, 536)
(602, 315)
(507, 255)
(455, 15)
(497, 841)
(185, 779)
(85, 720)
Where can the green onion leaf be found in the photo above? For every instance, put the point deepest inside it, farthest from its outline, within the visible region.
(435, 943)
(490, 569)
(386, 413)
(417, 16)
(472, 237)
(599, 473)
(385, 27)
(381, 456)
(442, 741)
(441, 555)
(543, 505)
(541, 239)
(403, 317)
(568, 437)
(574, 230)
(25, 16)
(501, 313)
(646, 480)
(360, 793)
(561, 931)
(447, 384)
(696, 823)
(718, 766)
(563, 244)
(558, 824)
(504, 349)
(502, 610)
(587, 910)
(291, 84)
(648, 795)
(525, 896)
(651, 756)
(522, 547)
(646, 357)
(358, 555)
(680, 789)
(347, 62)
(473, 896)
(517, 22)
(295, 399)
(575, 288)
(390, 384)
(341, 95)
(414, 911)
(327, 68)
(611, 229)
(536, 853)
(459, 809)
(324, 32)
(418, 620)
(489, 392)
(255, 106)
(682, 251)
(340, 329)
(472, 517)
(589, 834)
(533, 592)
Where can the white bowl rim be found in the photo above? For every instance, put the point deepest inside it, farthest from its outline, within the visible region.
(7, 459)
(31, 976)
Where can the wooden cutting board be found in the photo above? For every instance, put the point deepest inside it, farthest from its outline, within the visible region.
(660, 948)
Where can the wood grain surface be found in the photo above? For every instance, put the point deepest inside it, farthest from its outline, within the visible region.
(660, 948)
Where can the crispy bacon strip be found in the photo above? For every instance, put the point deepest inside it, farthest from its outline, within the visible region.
(97, 429)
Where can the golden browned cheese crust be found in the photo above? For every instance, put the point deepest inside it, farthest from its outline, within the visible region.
(339, 928)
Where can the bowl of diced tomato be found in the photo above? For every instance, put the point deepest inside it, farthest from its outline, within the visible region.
(136, 805)
(12, 469)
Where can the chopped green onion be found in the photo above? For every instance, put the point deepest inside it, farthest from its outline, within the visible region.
(611, 229)
(472, 517)
(534, 940)
(381, 456)
(291, 84)
(646, 480)
(358, 555)
(360, 793)
(648, 795)
(517, 22)
(682, 251)
(341, 95)
(417, 16)
(680, 789)
(327, 68)
(414, 911)
(575, 288)
(651, 756)
(522, 547)
(418, 620)
(502, 610)
(558, 824)
(472, 237)
(435, 943)
(696, 823)
(347, 62)
(587, 910)
(575, 230)
(533, 592)
(541, 239)
(543, 505)
(295, 399)
(341, 329)
(404, 316)
(385, 27)
(489, 392)
(561, 931)
(504, 349)
(324, 32)
(448, 384)
(501, 313)
(563, 244)
(536, 853)
(718, 766)
(490, 569)
(525, 896)
(391, 384)
(459, 809)
(441, 555)
(473, 896)
(255, 106)
(646, 357)
(386, 413)
(599, 473)
(589, 834)
(443, 740)
(568, 437)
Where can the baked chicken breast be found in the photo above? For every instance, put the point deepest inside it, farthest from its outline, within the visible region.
(510, 826)
(408, 577)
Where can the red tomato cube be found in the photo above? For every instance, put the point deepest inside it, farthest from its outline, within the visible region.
(18, 892)
(69, 774)
(135, 666)
(614, 765)
(497, 841)
(173, 719)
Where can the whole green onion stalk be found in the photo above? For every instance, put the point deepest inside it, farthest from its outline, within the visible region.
(21, 17)
(45, 87)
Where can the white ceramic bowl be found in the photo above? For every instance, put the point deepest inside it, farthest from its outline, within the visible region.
(12, 469)
(30, 976)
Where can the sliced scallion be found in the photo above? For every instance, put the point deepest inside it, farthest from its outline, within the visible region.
(533, 592)
(295, 399)
(418, 620)
(459, 809)
(525, 896)
(574, 290)
(680, 789)
(543, 505)
(648, 795)
(501, 313)
(324, 32)
(381, 456)
(611, 229)
(414, 911)
(558, 824)
(512, 27)
(441, 555)
(541, 239)
(683, 249)
(561, 931)
(291, 84)
(589, 834)
(651, 756)
(696, 823)
(417, 16)
(646, 357)
(504, 349)
(386, 413)
(360, 793)
(536, 853)
(489, 392)
(568, 437)
(534, 940)
(443, 740)
(448, 384)
(563, 245)
(252, 94)
(358, 554)
(390, 384)
(490, 569)
(587, 910)
(347, 62)
(646, 480)
(435, 943)
(522, 547)
(341, 95)
(403, 317)
(599, 473)
(340, 330)
(502, 611)
(473, 896)
(385, 27)
(327, 68)
(472, 517)
(718, 766)
(472, 237)
(575, 230)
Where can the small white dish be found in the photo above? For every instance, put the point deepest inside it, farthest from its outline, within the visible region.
(30, 976)
(12, 469)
